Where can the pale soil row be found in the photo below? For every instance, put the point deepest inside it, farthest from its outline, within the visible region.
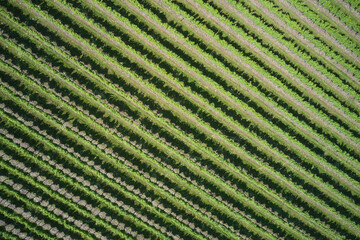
(210, 215)
(305, 88)
(32, 218)
(98, 121)
(101, 170)
(16, 231)
(281, 205)
(160, 97)
(335, 19)
(175, 62)
(80, 179)
(296, 58)
(112, 106)
(114, 131)
(86, 184)
(172, 170)
(289, 7)
(110, 175)
(38, 200)
(243, 64)
(306, 43)
(263, 56)
(108, 151)
(198, 125)
(75, 199)
(214, 90)
(235, 83)
(348, 7)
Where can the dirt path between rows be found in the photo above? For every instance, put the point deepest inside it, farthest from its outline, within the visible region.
(348, 7)
(317, 29)
(179, 88)
(214, 90)
(306, 42)
(242, 64)
(168, 105)
(335, 19)
(250, 182)
(190, 95)
(272, 40)
(280, 68)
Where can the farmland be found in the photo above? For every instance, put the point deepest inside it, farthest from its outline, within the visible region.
(180, 119)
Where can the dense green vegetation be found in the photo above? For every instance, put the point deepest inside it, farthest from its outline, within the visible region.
(179, 119)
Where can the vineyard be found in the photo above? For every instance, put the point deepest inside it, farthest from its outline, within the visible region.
(180, 119)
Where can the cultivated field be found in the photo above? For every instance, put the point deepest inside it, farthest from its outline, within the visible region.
(180, 119)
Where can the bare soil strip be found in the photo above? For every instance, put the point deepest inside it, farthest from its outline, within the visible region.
(335, 19)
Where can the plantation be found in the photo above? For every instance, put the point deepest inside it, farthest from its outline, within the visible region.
(180, 119)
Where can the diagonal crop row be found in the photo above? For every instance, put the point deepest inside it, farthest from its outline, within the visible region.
(262, 78)
(310, 74)
(106, 143)
(76, 201)
(292, 39)
(343, 13)
(190, 168)
(104, 164)
(328, 16)
(355, 6)
(195, 174)
(324, 32)
(25, 221)
(347, 38)
(73, 177)
(9, 228)
(312, 32)
(73, 96)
